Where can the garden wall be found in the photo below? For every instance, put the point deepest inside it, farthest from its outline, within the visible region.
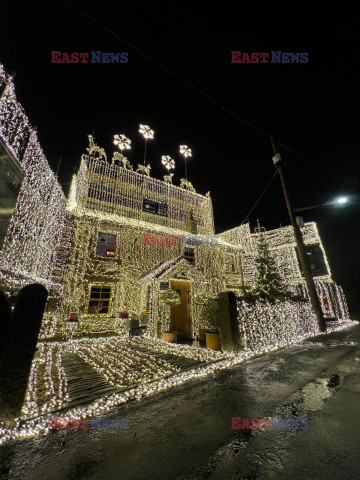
(265, 325)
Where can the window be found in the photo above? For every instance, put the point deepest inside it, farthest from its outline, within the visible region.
(99, 300)
(229, 263)
(316, 260)
(106, 244)
(155, 207)
(189, 255)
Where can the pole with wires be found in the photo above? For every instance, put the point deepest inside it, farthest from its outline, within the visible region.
(314, 299)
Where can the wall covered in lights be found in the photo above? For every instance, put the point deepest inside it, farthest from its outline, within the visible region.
(112, 189)
(282, 245)
(112, 269)
(265, 326)
(89, 249)
(133, 271)
(36, 243)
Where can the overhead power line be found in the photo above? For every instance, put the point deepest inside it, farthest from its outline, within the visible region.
(170, 72)
(258, 200)
(190, 85)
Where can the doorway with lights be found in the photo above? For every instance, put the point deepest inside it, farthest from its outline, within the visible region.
(180, 315)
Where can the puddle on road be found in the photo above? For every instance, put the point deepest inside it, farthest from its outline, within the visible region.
(346, 343)
(265, 457)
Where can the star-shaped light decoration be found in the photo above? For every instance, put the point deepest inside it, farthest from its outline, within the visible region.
(185, 150)
(168, 162)
(122, 142)
(146, 131)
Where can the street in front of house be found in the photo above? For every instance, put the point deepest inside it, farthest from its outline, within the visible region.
(186, 432)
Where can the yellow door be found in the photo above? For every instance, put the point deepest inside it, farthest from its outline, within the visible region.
(180, 315)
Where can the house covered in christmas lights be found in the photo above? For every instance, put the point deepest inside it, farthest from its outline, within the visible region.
(122, 238)
(135, 236)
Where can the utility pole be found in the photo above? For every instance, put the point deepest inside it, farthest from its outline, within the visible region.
(314, 299)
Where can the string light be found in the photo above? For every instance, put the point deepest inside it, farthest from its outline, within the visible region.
(53, 241)
(122, 142)
(168, 162)
(146, 132)
(186, 151)
(282, 246)
(36, 245)
(42, 425)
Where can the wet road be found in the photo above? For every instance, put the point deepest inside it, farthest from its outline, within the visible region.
(186, 433)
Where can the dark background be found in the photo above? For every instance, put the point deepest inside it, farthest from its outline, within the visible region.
(313, 108)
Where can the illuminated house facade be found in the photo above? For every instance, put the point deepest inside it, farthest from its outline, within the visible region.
(122, 237)
(129, 245)
(33, 218)
(283, 248)
(135, 236)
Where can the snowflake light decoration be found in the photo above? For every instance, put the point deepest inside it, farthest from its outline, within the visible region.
(122, 142)
(168, 162)
(185, 150)
(146, 131)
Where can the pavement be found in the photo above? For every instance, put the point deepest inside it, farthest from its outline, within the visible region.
(185, 432)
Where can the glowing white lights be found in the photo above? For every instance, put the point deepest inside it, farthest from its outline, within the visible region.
(168, 162)
(342, 200)
(45, 243)
(42, 425)
(146, 131)
(122, 142)
(35, 247)
(185, 150)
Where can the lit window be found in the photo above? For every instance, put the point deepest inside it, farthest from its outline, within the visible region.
(106, 244)
(189, 255)
(99, 300)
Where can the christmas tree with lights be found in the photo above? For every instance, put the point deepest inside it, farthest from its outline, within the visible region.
(268, 281)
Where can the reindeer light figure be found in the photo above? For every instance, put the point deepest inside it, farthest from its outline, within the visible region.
(186, 185)
(118, 158)
(94, 149)
(144, 170)
(168, 178)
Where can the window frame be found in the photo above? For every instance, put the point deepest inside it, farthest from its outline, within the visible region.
(315, 257)
(229, 263)
(189, 258)
(101, 286)
(99, 232)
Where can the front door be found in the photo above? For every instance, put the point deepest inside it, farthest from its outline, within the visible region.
(180, 318)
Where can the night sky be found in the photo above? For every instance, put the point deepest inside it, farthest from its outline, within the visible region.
(313, 108)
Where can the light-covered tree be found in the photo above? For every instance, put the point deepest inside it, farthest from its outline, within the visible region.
(268, 281)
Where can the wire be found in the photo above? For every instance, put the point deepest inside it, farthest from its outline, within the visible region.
(259, 198)
(219, 173)
(141, 52)
(215, 102)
